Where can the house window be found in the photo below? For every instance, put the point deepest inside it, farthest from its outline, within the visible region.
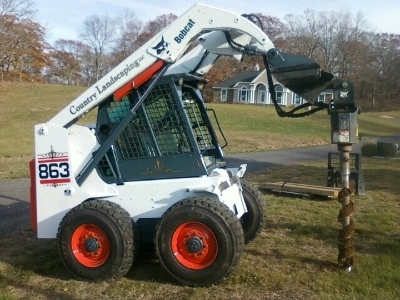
(297, 99)
(243, 94)
(224, 95)
(321, 98)
(280, 95)
(262, 94)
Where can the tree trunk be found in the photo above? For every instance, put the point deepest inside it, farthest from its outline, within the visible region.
(373, 95)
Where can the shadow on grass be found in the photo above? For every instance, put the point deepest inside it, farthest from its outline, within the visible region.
(13, 216)
(377, 242)
(278, 255)
(324, 233)
(23, 251)
(147, 268)
(48, 293)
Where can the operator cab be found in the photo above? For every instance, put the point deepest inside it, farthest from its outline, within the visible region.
(170, 136)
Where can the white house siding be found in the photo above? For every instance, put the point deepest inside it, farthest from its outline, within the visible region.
(253, 95)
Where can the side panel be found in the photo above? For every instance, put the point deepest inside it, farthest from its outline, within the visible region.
(59, 153)
(151, 198)
(57, 191)
(32, 192)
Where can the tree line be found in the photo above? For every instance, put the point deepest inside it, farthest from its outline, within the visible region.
(340, 42)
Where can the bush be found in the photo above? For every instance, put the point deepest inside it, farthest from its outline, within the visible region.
(387, 149)
(369, 149)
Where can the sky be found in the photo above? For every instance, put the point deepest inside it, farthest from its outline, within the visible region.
(64, 18)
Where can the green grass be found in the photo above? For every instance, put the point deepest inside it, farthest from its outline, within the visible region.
(21, 107)
(294, 258)
(248, 128)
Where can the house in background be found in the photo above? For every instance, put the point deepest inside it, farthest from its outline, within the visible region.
(252, 87)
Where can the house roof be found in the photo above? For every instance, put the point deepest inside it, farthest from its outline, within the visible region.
(247, 76)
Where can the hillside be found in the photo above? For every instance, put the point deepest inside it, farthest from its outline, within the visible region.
(247, 127)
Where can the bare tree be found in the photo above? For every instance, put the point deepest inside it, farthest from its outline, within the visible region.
(153, 27)
(337, 40)
(98, 32)
(384, 65)
(302, 34)
(19, 9)
(160, 23)
(129, 29)
(351, 45)
(272, 26)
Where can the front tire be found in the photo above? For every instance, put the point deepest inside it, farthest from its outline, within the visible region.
(199, 241)
(254, 220)
(96, 241)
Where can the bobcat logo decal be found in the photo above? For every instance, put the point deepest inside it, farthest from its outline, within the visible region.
(344, 95)
(161, 47)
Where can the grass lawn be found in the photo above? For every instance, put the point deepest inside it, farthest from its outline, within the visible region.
(293, 258)
(248, 128)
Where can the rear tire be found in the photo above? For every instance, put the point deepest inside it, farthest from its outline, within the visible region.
(96, 241)
(199, 241)
(254, 220)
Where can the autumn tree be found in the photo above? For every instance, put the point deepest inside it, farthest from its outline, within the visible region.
(67, 58)
(25, 56)
(33, 50)
(13, 13)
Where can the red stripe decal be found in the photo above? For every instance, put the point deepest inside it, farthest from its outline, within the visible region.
(55, 181)
(138, 80)
(54, 157)
(53, 160)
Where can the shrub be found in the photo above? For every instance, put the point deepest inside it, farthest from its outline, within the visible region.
(369, 149)
(387, 149)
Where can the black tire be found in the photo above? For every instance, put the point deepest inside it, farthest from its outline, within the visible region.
(208, 225)
(96, 241)
(254, 220)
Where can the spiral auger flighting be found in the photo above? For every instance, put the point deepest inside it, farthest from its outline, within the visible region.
(346, 245)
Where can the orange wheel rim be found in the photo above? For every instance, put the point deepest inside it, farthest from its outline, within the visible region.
(194, 245)
(90, 245)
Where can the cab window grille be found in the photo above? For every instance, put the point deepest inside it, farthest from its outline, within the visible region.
(104, 169)
(118, 109)
(157, 129)
(199, 127)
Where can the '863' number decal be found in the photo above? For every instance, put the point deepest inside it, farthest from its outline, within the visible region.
(54, 170)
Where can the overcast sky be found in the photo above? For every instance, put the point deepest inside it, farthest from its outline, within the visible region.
(63, 18)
